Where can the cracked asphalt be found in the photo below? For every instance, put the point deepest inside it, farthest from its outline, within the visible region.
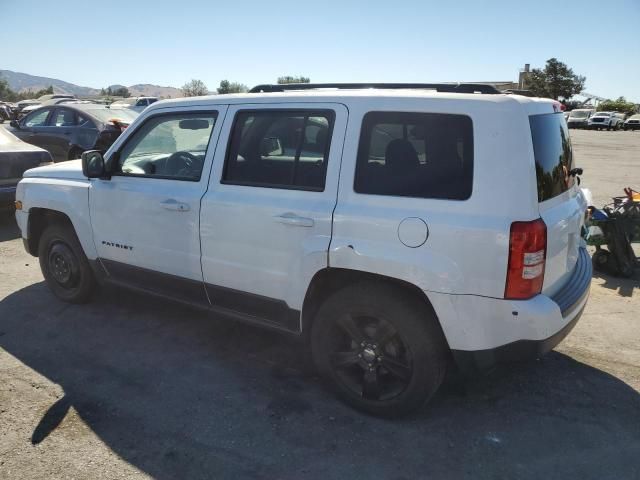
(134, 387)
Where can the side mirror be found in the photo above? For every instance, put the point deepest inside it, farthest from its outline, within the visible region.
(93, 164)
(14, 124)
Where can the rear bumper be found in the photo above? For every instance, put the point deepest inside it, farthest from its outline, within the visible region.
(519, 351)
(533, 327)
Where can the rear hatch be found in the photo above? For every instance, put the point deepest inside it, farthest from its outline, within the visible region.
(560, 201)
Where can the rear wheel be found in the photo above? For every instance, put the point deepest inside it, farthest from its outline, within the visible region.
(379, 348)
(64, 265)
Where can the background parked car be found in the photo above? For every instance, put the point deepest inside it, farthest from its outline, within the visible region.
(22, 104)
(68, 129)
(6, 112)
(579, 118)
(54, 96)
(632, 123)
(608, 120)
(137, 104)
(52, 101)
(16, 156)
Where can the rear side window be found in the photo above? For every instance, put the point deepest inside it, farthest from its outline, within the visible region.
(63, 117)
(553, 154)
(279, 149)
(425, 155)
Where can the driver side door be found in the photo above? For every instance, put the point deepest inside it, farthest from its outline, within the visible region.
(145, 218)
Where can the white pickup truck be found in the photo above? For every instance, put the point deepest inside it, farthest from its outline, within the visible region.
(391, 226)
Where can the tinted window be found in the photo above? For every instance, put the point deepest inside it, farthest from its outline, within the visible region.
(169, 146)
(85, 122)
(552, 150)
(37, 119)
(279, 149)
(427, 155)
(63, 117)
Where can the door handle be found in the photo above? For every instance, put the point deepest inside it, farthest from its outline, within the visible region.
(290, 218)
(172, 204)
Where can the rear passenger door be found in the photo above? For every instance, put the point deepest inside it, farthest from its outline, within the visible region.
(266, 218)
(59, 132)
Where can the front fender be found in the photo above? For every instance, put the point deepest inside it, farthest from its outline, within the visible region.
(70, 197)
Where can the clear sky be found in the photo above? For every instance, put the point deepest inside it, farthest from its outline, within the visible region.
(97, 43)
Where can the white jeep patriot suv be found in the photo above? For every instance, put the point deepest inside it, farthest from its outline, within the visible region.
(399, 228)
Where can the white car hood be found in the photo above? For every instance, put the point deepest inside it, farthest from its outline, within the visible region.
(71, 170)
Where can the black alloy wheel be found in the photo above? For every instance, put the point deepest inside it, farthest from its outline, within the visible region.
(369, 357)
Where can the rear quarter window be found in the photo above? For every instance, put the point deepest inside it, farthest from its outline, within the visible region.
(423, 155)
(553, 154)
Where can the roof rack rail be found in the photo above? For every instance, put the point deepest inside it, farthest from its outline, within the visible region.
(440, 87)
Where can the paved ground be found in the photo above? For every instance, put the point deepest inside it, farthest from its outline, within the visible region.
(132, 387)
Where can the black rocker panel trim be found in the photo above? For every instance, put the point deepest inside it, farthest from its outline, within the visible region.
(242, 306)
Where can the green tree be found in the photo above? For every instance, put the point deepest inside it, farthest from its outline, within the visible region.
(231, 87)
(290, 79)
(5, 91)
(194, 88)
(620, 105)
(555, 80)
(122, 92)
(9, 95)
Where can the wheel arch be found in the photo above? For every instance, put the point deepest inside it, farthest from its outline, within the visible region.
(39, 220)
(329, 280)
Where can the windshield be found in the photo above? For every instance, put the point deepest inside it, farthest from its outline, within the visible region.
(579, 114)
(106, 114)
(602, 114)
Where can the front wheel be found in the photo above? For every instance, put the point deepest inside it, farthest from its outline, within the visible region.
(64, 265)
(380, 348)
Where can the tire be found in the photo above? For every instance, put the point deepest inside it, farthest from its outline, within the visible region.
(379, 348)
(64, 265)
(600, 260)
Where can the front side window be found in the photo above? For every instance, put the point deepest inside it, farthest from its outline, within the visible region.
(281, 149)
(425, 155)
(37, 119)
(168, 146)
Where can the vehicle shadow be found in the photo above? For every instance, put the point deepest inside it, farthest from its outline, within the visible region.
(624, 286)
(8, 228)
(179, 394)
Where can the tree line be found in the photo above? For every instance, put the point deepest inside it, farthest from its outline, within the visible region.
(9, 95)
(196, 88)
(115, 92)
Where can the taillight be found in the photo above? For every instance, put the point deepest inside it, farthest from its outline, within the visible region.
(527, 254)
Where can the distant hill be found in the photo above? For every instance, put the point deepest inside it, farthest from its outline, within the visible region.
(23, 81)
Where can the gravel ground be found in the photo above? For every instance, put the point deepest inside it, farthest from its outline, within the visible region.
(133, 387)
